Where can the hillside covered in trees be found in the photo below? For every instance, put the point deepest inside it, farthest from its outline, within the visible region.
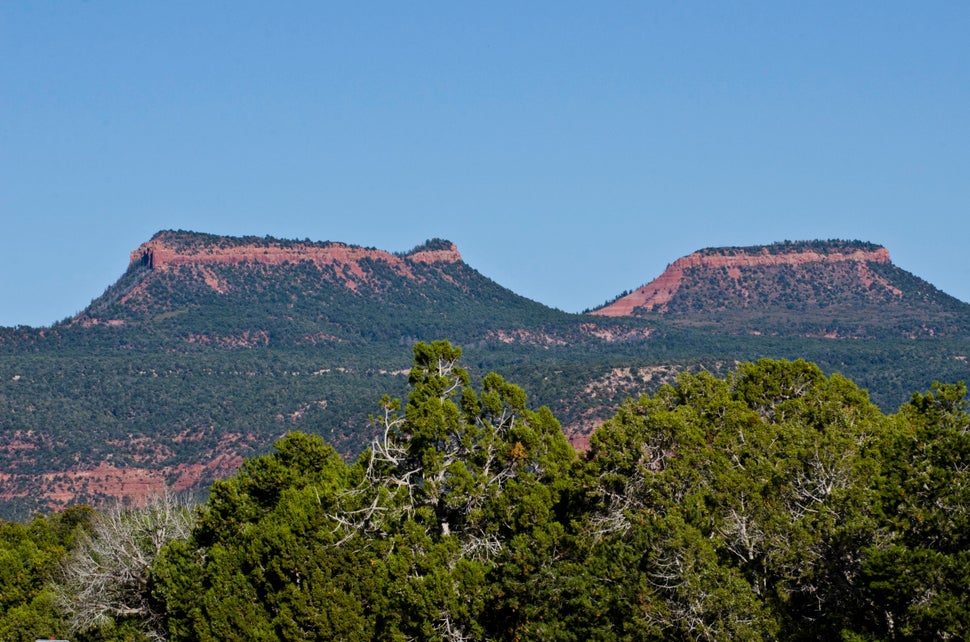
(209, 349)
(833, 289)
(774, 502)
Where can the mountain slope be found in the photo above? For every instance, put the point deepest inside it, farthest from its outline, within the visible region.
(252, 291)
(834, 289)
(209, 348)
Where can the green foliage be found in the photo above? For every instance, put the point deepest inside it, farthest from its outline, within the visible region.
(298, 545)
(772, 503)
(754, 492)
(431, 245)
(917, 571)
(30, 557)
(191, 373)
(818, 298)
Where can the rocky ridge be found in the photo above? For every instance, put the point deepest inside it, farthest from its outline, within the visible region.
(165, 251)
(657, 294)
(219, 264)
(208, 348)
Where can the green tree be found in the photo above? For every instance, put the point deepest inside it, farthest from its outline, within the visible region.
(261, 562)
(917, 573)
(30, 557)
(755, 493)
(399, 546)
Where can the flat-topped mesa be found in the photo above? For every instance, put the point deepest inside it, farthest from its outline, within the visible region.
(655, 295)
(170, 249)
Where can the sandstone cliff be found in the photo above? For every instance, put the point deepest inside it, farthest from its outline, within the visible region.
(171, 249)
(656, 295)
(217, 261)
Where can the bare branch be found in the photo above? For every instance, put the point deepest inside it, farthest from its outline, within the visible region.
(107, 576)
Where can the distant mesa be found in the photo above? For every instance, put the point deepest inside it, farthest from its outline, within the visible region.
(812, 289)
(208, 348)
(737, 262)
(174, 248)
(164, 273)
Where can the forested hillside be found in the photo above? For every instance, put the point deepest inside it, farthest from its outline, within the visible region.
(833, 289)
(210, 348)
(772, 503)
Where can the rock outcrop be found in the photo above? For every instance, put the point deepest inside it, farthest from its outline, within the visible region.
(203, 254)
(170, 249)
(656, 295)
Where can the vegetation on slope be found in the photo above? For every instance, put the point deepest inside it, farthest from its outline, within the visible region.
(175, 374)
(835, 289)
(773, 503)
(816, 299)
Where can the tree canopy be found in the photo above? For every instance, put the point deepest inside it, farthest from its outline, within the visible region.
(775, 503)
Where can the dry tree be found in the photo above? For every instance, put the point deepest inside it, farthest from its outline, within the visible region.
(107, 577)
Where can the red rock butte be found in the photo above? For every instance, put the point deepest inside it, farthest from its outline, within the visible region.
(656, 294)
(161, 254)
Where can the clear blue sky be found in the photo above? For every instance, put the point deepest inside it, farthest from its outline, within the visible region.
(570, 149)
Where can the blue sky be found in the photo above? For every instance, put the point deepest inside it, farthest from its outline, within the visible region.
(570, 149)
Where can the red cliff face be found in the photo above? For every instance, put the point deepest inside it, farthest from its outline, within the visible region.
(449, 255)
(655, 295)
(162, 254)
(158, 254)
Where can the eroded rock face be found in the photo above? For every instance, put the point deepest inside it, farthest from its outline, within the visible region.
(202, 255)
(449, 255)
(655, 295)
(163, 253)
(106, 483)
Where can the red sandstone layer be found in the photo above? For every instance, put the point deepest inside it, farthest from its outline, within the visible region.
(657, 293)
(159, 255)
